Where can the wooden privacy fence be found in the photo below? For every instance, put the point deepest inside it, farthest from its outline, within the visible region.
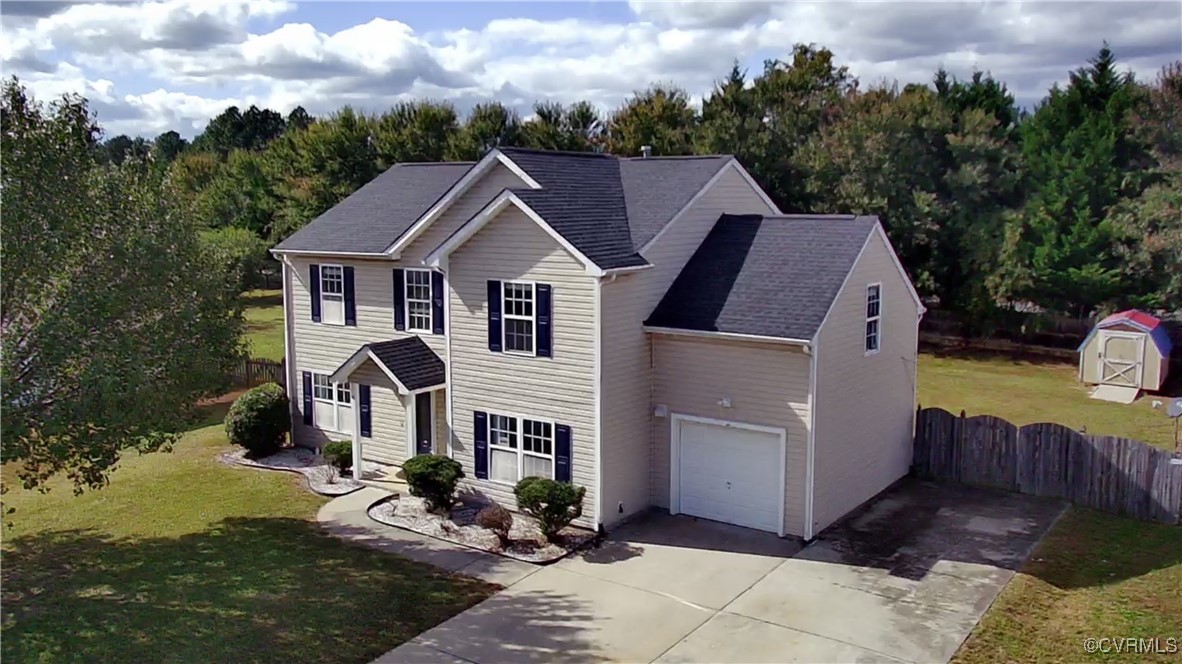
(1118, 475)
(254, 371)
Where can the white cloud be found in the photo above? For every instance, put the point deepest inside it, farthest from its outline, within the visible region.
(200, 57)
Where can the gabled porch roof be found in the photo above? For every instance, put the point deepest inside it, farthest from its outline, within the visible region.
(410, 363)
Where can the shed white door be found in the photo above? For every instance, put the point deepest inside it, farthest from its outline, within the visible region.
(1120, 358)
(730, 473)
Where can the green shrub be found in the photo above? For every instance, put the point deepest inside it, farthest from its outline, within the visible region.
(339, 453)
(259, 420)
(497, 519)
(433, 478)
(553, 504)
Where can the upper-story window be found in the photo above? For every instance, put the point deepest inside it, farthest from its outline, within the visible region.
(520, 313)
(418, 301)
(873, 317)
(332, 294)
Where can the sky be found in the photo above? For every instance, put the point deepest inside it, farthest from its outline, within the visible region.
(148, 67)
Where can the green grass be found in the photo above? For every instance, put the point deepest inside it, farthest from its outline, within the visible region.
(264, 323)
(1025, 391)
(183, 559)
(1094, 575)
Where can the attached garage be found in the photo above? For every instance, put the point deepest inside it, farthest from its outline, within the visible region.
(728, 471)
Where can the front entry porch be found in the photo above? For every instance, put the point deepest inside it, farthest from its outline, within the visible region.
(401, 395)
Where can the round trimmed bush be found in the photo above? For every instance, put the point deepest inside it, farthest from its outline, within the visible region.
(433, 477)
(259, 420)
(553, 504)
(339, 453)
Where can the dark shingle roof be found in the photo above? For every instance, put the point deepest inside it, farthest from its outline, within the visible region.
(766, 276)
(412, 361)
(370, 219)
(656, 189)
(605, 206)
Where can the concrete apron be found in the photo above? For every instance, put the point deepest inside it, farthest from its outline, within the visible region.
(904, 580)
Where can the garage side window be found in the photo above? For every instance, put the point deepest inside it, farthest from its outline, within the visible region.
(873, 318)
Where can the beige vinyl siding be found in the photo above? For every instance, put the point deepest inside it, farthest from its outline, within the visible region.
(865, 404)
(627, 376)
(560, 388)
(322, 347)
(388, 443)
(1152, 366)
(768, 385)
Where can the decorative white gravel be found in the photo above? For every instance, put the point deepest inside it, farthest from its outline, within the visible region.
(527, 543)
(302, 461)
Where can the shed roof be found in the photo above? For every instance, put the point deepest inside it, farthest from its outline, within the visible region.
(1151, 325)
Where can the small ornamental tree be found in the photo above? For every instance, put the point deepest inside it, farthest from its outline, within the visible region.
(433, 478)
(553, 504)
(259, 420)
(497, 519)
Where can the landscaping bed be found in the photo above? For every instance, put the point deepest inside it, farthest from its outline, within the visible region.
(323, 478)
(526, 541)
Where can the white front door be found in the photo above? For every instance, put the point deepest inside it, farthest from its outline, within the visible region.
(1120, 358)
(728, 472)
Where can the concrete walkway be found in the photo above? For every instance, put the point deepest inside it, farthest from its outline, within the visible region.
(346, 518)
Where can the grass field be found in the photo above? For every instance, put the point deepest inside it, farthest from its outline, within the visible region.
(264, 323)
(1026, 391)
(184, 559)
(1094, 575)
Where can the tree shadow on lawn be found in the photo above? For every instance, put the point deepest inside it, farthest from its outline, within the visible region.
(247, 589)
(262, 298)
(979, 355)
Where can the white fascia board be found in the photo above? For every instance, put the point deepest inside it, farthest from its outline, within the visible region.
(758, 189)
(317, 252)
(734, 336)
(495, 206)
(470, 178)
(899, 266)
(341, 375)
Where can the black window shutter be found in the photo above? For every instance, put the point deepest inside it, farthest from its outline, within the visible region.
(307, 397)
(494, 316)
(399, 300)
(350, 298)
(562, 453)
(366, 414)
(437, 303)
(480, 437)
(314, 288)
(545, 317)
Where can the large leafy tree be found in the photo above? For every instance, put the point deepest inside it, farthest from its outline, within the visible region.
(113, 323)
(487, 126)
(577, 128)
(1080, 158)
(232, 129)
(167, 147)
(414, 131)
(660, 117)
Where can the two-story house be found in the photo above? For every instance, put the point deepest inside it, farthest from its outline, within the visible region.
(652, 329)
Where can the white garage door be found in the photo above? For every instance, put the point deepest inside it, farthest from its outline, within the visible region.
(730, 474)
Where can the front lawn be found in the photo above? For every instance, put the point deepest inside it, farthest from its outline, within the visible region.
(264, 323)
(1094, 575)
(185, 559)
(1026, 391)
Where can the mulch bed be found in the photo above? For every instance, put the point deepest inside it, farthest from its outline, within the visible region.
(527, 543)
(302, 461)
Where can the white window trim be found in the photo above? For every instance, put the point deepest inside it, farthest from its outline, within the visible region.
(520, 449)
(336, 405)
(320, 288)
(868, 318)
(505, 316)
(430, 301)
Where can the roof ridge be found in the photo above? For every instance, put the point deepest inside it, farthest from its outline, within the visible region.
(435, 163)
(673, 157)
(565, 153)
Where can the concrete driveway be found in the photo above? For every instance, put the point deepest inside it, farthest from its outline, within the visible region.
(904, 579)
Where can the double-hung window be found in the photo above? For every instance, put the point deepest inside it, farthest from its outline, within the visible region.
(332, 294)
(418, 301)
(333, 403)
(519, 447)
(520, 314)
(873, 317)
